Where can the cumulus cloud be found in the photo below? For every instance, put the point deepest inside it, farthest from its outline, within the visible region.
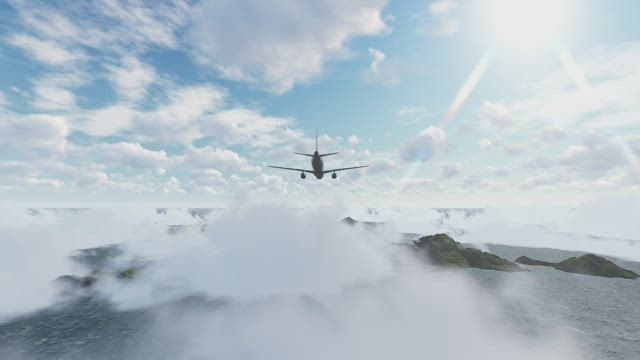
(442, 22)
(281, 43)
(424, 146)
(412, 114)
(554, 99)
(208, 157)
(380, 69)
(348, 296)
(599, 163)
(353, 140)
(381, 165)
(442, 6)
(500, 171)
(495, 115)
(250, 128)
(596, 157)
(517, 148)
(378, 58)
(33, 136)
(450, 170)
(132, 78)
(176, 120)
(54, 98)
(106, 26)
(48, 52)
(412, 185)
(445, 27)
(179, 119)
(133, 155)
(485, 143)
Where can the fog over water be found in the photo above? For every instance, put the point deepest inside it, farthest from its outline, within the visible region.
(271, 282)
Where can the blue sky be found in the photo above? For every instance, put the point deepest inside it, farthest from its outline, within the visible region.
(187, 101)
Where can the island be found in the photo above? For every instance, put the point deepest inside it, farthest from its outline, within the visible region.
(442, 250)
(588, 264)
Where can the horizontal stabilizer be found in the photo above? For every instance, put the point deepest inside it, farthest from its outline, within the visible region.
(334, 153)
(310, 155)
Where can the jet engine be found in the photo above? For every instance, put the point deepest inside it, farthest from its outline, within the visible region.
(334, 175)
(303, 175)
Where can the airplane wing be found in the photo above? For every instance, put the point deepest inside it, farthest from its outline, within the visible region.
(348, 168)
(294, 169)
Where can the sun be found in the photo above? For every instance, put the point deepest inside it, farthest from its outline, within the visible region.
(527, 23)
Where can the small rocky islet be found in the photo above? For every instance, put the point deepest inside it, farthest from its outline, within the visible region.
(439, 250)
(588, 264)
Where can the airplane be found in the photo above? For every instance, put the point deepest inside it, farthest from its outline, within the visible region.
(317, 165)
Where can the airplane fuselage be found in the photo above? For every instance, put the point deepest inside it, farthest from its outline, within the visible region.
(317, 165)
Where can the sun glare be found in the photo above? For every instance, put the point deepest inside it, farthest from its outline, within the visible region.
(527, 23)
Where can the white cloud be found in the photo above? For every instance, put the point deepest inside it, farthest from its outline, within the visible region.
(107, 26)
(175, 121)
(412, 185)
(381, 165)
(128, 154)
(424, 146)
(54, 98)
(179, 119)
(33, 136)
(378, 58)
(596, 157)
(501, 171)
(279, 44)
(485, 143)
(442, 6)
(442, 22)
(353, 140)
(381, 70)
(132, 78)
(517, 148)
(48, 52)
(495, 115)
(450, 170)
(106, 121)
(206, 180)
(476, 181)
(249, 128)
(412, 114)
(222, 160)
(610, 101)
(445, 27)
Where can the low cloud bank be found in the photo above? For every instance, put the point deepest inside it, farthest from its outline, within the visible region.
(606, 225)
(296, 284)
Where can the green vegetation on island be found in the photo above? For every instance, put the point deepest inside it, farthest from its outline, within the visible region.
(588, 264)
(442, 250)
(101, 262)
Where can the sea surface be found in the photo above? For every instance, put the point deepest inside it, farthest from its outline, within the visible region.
(602, 314)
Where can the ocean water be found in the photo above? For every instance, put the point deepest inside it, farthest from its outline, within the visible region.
(601, 314)
(541, 313)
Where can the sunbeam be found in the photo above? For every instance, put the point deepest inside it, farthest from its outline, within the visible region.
(469, 84)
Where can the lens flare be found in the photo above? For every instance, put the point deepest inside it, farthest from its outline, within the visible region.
(629, 155)
(469, 84)
(573, 69)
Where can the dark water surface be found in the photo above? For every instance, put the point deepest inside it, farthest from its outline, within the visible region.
(603, 314)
